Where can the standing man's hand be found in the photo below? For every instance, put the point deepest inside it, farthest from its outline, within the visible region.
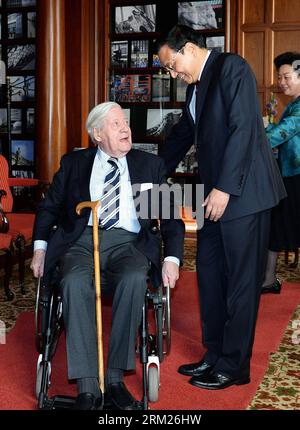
(170, 273)
(216, 203)
(37, 263)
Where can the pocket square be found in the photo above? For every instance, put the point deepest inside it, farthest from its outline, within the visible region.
(146, 186)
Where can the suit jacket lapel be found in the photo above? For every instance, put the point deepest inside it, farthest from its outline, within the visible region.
(204, 84)
(85, 170)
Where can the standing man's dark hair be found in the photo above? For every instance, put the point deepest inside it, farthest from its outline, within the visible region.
(222, 117)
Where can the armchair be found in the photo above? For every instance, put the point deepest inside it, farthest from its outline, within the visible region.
(20, 225)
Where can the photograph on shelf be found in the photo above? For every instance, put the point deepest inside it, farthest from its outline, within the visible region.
(29, 120)
(16, 121)
(119, 54)
(161, 88)
(152, 148)
(31, 29)
(14, 25)
(131, 88)
(161, 121)
(189, 163)
(181, 87)
(21, 57)
(24, 174)
(139, 53)
(216, 43)
(22, 88)
(135, 19)
(22, 152)
(3, 120)
(199, 15)
(155, 61)
(19, 3)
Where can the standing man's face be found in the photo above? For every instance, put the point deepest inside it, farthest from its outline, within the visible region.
(115, 136)
(182, 64)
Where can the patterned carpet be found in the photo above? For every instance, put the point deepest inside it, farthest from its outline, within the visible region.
(280, 388)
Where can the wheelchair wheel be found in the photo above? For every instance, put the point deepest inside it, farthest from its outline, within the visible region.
(153, 383)
(42, 370)
(163, 323)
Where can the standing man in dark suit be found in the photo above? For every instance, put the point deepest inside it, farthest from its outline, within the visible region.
(129, 249)
(241, 181)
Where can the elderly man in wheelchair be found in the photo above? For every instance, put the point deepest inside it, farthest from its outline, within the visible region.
(129, 250)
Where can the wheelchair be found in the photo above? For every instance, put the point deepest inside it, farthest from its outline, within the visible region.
(151, 346)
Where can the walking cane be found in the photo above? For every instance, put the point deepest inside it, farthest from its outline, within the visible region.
(94, 206)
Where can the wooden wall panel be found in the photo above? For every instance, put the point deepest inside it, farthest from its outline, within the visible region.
(285, 11)
(253, 12)
(253, 50)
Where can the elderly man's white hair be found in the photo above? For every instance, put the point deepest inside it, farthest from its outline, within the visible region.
(97, 116)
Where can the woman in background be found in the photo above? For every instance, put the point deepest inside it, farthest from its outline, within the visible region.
(285, 136)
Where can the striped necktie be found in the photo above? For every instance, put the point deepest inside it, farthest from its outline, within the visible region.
(110, 201)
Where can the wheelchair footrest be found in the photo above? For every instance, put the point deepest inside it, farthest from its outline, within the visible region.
(59, 402)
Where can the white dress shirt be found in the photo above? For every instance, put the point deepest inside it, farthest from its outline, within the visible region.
(192, 105)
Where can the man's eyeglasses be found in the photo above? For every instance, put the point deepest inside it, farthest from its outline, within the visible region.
(170, 67)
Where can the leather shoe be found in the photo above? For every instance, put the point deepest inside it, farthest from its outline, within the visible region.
(216, 381)
(118, 397)
(274, 288)
(87, 401)
(195, 369)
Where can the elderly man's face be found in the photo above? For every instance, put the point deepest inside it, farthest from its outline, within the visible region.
(115, 136)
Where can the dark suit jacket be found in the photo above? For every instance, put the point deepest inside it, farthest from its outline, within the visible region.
(70, 186)
(232, 149)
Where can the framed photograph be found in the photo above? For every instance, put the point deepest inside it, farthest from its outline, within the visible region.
(161, 121)
(19, 3)
(181, 87)
(155, 61)
(30, 122)
(16, 121)
(22, 152)
(131, 88)
(139, 53)
(14, 25)
(3, 120)
(199, 15)
(21, 57)
(135, 19)
(24, 174)
(152, 148)
(31, 24)
(161, 88)
(189, 163)
(119, 54)
(22, 88)
(216, 43)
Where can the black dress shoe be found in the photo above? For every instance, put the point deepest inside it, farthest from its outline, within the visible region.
(118, 397)
(216, 381)
(87, 402)
(274, 288)
(195, 369)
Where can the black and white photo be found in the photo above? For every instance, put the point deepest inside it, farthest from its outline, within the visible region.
(14, 25)
(31, 28)
(216, 43)
(131, 88)
(139, 53)
(201, 14)
(189, 163)
(22, 88)
(152, 148)
(135, 19)
(119, 53)
(30, 120)
(21, 57)
(161, 121)
(16, 121)
(181, 87)
(161, 88)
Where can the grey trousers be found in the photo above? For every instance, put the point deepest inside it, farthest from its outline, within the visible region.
(124, 272)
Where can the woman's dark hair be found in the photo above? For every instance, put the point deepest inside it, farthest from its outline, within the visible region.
(178, 36)
(291, 58)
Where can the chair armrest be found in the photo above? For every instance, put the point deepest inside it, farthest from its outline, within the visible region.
(22, 182)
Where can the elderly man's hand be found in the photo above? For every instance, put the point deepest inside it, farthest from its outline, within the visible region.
(216, 203)
(170, 273)
(37, 263)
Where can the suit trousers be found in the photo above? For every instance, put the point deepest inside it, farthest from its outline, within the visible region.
(231, 259)
(124, 272)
